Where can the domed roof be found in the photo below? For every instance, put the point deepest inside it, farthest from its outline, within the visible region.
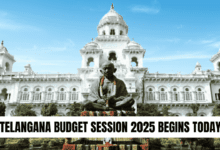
(112, 17)
(134, 45)
(2, 48)
(198, 64)
(91, 45)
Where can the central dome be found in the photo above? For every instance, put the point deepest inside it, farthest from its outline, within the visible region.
(112, 18)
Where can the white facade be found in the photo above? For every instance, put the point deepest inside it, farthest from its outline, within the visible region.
(112, 43)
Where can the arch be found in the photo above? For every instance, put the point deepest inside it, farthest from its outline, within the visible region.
(103, 32)
(150, 86)
(112, 32)
(37, 87)
(112, 56)
(134, 61)
(4, 94)
(202, 114)
(62, 93)
(121, 32)
(25, 86)
(197, 87)
(74, 93)
(187, 93)
(172, 88)
(184, 88)
(7, 66)
(62, 86)
(162, 86)
(90, 62)
(177, 114)
(218, 66)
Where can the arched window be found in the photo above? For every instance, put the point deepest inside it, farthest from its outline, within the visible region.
(62, 94)
(163, 94)
(121, 32)
(37, 94)
(4, 94)
(74, 94)
(200, 94)
(134, 61)
(103, 32)
(7, 66)
(112, 32)
(25, 94)
(49, 94)
(175, 94)
(150, 96)
(187, 94)
(90, 62)
(218, 66)
(112, 56)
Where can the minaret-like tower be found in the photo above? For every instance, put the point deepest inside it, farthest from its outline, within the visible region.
(6, 60)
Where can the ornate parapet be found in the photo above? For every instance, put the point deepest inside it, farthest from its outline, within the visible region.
(108, 113)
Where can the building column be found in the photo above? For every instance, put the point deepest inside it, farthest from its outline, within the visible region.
(31, 96)
(169, 96)
(68, 96)
(43, 96)
(56, 96)
(194, 96)
(181, 96)
(157, 97)
(19, 96)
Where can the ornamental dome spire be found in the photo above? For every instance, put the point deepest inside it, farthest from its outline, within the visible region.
(112, 23)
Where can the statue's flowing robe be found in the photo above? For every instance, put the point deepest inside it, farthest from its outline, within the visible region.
(94, 94)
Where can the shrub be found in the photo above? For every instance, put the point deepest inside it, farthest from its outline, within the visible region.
(49, 109)
(24, 110)
(2, 109)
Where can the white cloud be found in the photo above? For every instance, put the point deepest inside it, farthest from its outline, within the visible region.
(215, 44)
(177, 57)
(180, 26)
(146, 9)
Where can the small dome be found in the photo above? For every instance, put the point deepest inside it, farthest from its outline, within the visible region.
(91, 45)
(134, 45)
(2, 48)
(112, 17)
(198, 64)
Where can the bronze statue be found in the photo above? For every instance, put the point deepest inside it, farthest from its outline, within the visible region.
(109, 92)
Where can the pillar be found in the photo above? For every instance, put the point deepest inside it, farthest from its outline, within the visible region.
(169, 96)
(157, 95)
(31, 96)
(19, 96)
(181, 96)
(68, 96)
(56, 96)
(43, 96)
(194, 97)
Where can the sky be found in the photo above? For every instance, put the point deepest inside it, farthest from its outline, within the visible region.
(49, 34)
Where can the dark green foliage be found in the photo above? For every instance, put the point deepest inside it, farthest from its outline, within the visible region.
(216, 110)
(49, 109)
(206, 142)
(2, 109)
(148, 110)
(195, 109)
(24, 110)
(155, 144)
(75, 109)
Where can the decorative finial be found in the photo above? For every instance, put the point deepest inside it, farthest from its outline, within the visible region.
(2, 42)
(112, 7)
(133, 39)
(92, 39)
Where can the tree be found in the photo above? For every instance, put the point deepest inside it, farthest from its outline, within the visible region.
(165, 111)
(195, 109)
(148, 110)
(49, 109)
(24, 110)
(206, 143)
(2, 109)
(75, 109)
(216, 110)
